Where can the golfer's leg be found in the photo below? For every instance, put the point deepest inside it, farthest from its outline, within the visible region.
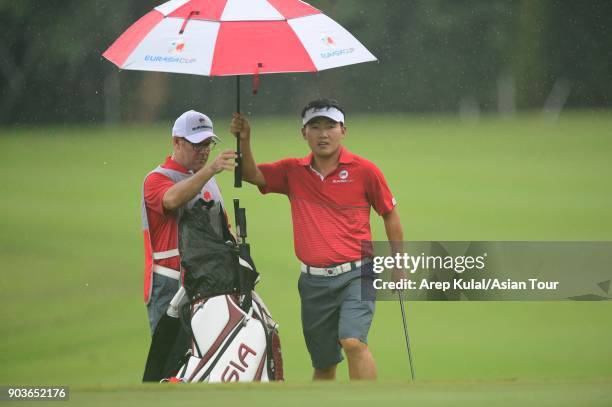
(328, 373)
(360, 361)
(355, 320)
(320, 326)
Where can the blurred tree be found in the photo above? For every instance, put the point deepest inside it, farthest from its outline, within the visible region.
(529, 52)
(580, 50)
(433, 54)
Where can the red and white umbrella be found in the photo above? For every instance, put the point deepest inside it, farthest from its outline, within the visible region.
(236, 37)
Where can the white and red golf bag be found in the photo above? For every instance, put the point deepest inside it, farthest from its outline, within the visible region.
(233, 336)
(231, 345)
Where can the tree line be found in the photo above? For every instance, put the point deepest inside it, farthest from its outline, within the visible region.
(434, 55)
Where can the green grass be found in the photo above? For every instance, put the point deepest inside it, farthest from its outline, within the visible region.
(542, 393)
(554, 393)
(71, 250)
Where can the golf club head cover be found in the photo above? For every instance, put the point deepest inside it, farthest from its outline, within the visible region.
(210, 263)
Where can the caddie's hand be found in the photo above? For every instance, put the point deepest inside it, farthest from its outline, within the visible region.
(225, 161)
(240, 125)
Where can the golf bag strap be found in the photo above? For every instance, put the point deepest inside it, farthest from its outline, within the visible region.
(165, 255)
(166, 271)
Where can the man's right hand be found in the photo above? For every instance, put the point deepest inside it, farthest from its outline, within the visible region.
(226, 160)
(250, 173)
(183, 191)
(240, 125)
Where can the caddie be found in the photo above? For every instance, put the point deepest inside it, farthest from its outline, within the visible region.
(178, 183)
(331, 191)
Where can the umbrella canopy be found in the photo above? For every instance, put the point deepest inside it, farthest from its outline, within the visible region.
(235, 37)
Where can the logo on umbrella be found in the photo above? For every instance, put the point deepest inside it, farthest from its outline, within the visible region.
(331, 48)
(177, 46)
(328, 41)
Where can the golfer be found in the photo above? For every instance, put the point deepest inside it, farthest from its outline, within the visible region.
(174, 185)
(331, 192)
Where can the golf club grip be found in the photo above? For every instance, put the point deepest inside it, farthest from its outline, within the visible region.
(237, 216)
(238, 170)
(243, 224)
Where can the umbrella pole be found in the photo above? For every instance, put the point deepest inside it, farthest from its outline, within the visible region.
(238, 170)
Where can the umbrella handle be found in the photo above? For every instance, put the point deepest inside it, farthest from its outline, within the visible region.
(238, 170)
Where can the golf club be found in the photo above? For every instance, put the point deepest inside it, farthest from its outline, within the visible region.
(401, 302)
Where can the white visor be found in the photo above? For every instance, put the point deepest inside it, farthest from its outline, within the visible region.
(329, 112)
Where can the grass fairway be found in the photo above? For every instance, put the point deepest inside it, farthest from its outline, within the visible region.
(424, 394)
(71, 286)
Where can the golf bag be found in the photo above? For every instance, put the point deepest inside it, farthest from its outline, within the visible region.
(233, 336)
(231, 345)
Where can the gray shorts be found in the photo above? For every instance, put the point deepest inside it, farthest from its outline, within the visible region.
(332, 310)
(162, 292)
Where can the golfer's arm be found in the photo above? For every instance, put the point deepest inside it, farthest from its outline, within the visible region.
(184, 191)
(393, 228)
(250, 172)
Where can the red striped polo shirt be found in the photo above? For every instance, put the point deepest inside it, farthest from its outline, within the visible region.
(331, 215)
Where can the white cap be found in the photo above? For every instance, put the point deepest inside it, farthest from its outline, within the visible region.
(329, 112)
(194, 126)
